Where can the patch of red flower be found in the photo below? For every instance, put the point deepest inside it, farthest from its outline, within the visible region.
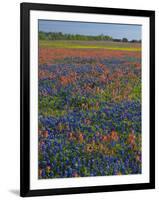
(64, 80)
(50, 55)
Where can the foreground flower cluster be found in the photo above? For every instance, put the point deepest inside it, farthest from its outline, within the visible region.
(89, 113)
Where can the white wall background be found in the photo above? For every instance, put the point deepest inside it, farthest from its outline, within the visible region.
(10, 95)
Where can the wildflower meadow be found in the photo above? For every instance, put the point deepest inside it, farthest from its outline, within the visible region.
(89, 108)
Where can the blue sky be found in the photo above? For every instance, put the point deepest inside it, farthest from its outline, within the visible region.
(114, 30)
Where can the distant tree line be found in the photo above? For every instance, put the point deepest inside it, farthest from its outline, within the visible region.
(64, 36)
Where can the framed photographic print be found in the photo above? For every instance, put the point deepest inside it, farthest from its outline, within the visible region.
(87, 99)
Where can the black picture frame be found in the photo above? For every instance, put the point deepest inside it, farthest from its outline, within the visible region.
(25, 9)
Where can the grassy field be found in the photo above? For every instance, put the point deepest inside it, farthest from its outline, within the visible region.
(90, 45)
